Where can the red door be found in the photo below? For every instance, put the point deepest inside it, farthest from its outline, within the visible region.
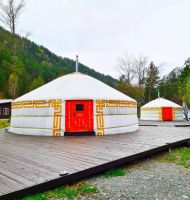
(79, 116)
(167, 113)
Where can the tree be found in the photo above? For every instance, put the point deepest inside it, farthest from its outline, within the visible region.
(183, 81)
(168, 86)
(134, 71)
(126, 64)
(140, 64)
(9, 14)
(135, 92)
(152, 79)
(130, 90)
(37, 82)
(188, 91)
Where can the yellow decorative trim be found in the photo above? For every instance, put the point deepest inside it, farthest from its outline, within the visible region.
(54, 103)
(149, 109)
(178, 109)
(101, 104)
(173, 112)
(160, 114)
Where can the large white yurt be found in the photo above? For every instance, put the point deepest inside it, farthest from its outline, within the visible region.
(161, 109)
(74, 104)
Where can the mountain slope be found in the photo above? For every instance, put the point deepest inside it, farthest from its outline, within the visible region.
(36, 65)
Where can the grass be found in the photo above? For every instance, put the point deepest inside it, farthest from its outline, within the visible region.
(69, 192)
(115, 172)
(4, 123)
(180, 155)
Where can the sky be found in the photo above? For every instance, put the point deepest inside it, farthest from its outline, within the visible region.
(100, 31)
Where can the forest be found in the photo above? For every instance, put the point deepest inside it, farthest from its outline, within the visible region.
(36, 65)
(143, 80)
(33, 65)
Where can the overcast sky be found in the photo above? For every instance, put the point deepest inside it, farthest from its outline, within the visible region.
(101, 30)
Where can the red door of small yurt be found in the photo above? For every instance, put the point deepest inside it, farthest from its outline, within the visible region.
(167, 113)
(79, 116)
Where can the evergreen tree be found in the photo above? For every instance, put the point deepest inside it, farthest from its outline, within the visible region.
(168, 86)
(183, 81)
(37, 82)
(152, 80)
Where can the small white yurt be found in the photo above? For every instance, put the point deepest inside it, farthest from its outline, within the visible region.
(74, 104)
(161, 110)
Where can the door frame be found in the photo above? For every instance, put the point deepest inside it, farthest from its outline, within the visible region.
(171, 110)
(79, 133)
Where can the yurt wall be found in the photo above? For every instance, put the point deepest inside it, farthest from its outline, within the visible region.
(38, 117)
(43, 111)
(161, 110)
(48, 117)
(115, 116)
(151, 114)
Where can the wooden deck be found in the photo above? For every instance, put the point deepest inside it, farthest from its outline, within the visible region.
(30, 164)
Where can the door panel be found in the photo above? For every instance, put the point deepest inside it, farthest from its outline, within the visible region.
(167, 113)
(79, 116)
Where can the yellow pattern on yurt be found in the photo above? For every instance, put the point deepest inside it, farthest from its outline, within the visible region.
(101, 104)
(150, 109)
(175, 110)
(54, 103)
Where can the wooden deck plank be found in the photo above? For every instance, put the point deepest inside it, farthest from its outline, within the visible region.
(29, 163)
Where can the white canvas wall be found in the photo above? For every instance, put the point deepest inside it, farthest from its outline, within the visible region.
(35, 121)
(154, 115)
(120, 120)
(150, 115)
(39, 121)
(179, 115)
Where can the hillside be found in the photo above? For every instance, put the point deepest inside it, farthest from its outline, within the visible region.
(36, 65)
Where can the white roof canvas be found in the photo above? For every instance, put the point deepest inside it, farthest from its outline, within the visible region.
(160, 102)
(75, 86)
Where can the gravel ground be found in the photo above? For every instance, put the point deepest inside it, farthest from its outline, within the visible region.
(148, 180)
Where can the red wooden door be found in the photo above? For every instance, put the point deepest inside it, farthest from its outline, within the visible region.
(167, 113)
(79, 116)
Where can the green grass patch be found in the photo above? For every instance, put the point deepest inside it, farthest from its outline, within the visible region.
(115, 172)
(4, 123)
(180, 155)
(69, 192)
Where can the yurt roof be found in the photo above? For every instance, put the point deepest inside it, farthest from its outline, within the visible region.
(5, 101)
(75, 86)
(160, 102)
